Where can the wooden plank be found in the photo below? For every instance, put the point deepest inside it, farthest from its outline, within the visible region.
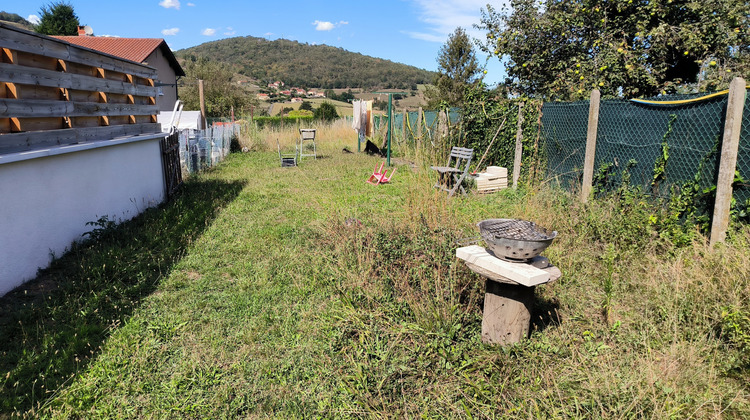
(18, 142)
(20, 40)
(86, 122)
(119, 120)
(519, 147)
(83, 95)
(100, 109)
(38, 124)
(593, 127)
(728, 160)
(22, 108)
(524, 274)
(51, 78)
(39, 92)
(37, 61)
(30, 108)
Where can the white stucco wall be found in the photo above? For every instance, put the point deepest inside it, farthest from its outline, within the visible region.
(165, 75)
(46, 201)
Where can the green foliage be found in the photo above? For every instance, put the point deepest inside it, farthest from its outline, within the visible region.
(457, 70)
(58, 19)
(306, 106)
(660, 166)
(266, 121)
(347, 96)
(734, 326)
(326, 112)
(104, 227)
(220, 94)
(299, 64)
(296, 113)
(483, 113)
(563, 49)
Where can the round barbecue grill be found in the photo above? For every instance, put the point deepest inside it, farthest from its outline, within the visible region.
(514, 239)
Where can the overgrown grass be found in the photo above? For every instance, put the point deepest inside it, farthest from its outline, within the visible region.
(305, 292)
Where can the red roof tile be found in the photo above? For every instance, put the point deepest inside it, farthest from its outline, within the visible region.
(134, 49)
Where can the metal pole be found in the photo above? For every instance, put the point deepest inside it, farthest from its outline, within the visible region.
(390, 127)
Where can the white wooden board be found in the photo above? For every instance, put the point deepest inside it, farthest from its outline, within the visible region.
(521, 273)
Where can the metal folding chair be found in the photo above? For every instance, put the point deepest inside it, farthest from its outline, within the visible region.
(287, 159)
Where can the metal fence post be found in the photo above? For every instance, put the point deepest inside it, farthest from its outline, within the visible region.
(419, 129)
(593, 126)
(729, 147)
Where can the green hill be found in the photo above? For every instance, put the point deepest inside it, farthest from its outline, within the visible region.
(304, 65)
(16, 20)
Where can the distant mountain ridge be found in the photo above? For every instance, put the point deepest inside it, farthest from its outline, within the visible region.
(16, 20)
(298, 64)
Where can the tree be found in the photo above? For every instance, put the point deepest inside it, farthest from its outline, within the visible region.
(562, 49)
(219, 92)
(306, 106)
(326, 112)
(457, 70)
(58, 19)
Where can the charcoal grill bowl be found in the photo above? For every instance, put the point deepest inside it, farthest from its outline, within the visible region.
(522, 247)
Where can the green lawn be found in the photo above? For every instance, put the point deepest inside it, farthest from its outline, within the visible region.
(262, 291)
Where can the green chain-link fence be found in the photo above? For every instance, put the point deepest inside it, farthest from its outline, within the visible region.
(656, 145)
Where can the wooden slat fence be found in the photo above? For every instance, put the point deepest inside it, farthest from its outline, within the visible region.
(170, 151)
(55, 93)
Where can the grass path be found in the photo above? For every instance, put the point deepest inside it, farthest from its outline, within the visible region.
(239, 326)
(263, 291)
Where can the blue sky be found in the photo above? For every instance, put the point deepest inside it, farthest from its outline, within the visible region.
(404, 31)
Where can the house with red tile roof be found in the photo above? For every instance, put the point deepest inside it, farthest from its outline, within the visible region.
(153, 52)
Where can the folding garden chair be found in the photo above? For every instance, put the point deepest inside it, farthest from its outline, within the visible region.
(379, 176)
(287, 159)
(451, 176)
(306, 137)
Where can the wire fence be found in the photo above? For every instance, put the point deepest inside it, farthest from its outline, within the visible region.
(202, 149)
(427, 130)
(656, 145)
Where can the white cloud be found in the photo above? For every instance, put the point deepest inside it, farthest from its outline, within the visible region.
(208, 32)
(323, 26)
(230, 31)
(34, 19)
(442, 17)
(191, 4)
(170, 31)
(170, 4)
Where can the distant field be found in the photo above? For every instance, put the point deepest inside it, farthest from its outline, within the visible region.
(409, 102)
(343, 108)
